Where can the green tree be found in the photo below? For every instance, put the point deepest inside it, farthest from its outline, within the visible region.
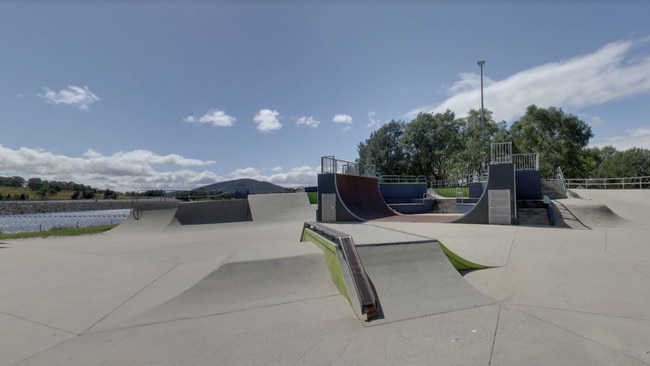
(476, 138)
(559, 138)
(629, 163)
(384, 150)
(431, 141)
(35, 184)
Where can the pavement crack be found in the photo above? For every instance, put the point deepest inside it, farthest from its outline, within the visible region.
(131, 297)
(494, 336)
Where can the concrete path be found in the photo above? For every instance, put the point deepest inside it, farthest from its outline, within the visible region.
(250, 293)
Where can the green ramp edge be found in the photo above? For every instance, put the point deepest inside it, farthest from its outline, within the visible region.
(330, 256)
(460, 263)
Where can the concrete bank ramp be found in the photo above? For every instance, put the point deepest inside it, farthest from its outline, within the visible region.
(281, 207)
(246, 285)
(146, 221)
(415, 280)
(411, 274)
(594, 214)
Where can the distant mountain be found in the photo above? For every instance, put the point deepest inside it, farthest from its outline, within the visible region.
(243, 185)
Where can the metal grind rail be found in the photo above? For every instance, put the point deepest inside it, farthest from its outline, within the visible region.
(364, 288)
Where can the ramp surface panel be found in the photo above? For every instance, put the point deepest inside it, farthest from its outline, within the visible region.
(146, 221)
(416, 280)
(238, 286)
(281, 207)
(361, 197)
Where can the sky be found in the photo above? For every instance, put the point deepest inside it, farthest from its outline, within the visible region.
(137, 95)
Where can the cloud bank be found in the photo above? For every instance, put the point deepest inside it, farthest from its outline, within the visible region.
(134, 170)
(611, 73)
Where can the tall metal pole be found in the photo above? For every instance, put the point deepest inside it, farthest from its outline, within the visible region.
(480, 64)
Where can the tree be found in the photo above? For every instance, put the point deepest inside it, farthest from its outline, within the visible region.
(559, 138)
(431, 141)
(629, 163)
(476, 148)
(35, 184)
(384, 149)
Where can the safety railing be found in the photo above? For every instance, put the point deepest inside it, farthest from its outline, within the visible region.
(609, 183)
(501, 152)
(403, 179)
(365, 290)
(330, 164)
(526, 161)
(560, 178)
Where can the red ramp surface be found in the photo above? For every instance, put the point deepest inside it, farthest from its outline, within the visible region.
(361, 197)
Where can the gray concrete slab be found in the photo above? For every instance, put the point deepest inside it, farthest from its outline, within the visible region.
(567, 297)
(416, 280)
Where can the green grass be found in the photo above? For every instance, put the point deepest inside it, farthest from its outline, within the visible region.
(451, 192)
(60, 232)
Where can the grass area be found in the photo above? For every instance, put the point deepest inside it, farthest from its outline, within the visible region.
(452, 191)
(16, 192)
(60, 232)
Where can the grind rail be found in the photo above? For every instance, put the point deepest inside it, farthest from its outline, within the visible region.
(365, 291)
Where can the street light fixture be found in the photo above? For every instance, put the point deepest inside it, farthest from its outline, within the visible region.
(480, 64)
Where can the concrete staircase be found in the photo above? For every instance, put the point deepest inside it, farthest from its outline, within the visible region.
(532, 213)
(553, 189)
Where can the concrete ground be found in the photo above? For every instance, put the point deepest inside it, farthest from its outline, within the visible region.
(249, 293)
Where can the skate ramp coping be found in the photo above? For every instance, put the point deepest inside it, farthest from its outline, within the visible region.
(410, 278)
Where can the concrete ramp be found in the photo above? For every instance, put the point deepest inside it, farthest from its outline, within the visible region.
(238, 286)
(281, 207)
(593, 214)
(416, 280)
(411, 276)
(146, 221)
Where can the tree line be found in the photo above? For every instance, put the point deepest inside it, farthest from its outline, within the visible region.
(43, 188)
(442, 146)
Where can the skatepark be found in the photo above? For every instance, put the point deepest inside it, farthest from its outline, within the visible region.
(254, 292)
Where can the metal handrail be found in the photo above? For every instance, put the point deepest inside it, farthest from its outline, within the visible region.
(366, 293)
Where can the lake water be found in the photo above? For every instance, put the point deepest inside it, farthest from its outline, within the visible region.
(47, 221)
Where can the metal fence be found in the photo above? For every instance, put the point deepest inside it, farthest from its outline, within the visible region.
(330, 164)
(501, 152)
(526, 161)
(403, 179)
(609, 183)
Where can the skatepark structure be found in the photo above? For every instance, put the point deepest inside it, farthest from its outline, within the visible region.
(153, 291)
(513, 184)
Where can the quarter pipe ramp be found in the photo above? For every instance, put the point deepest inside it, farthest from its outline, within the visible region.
(345, 197)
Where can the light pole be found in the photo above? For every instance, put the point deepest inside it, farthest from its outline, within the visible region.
(480, 64)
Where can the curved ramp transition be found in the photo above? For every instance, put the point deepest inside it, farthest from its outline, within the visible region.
(411, 279)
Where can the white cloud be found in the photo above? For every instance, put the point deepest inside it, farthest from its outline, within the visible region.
(308, 121)
(267, 120)
(132, 170)
(610, 73)
(136, 170)
(372, 122)
(74, 95)
(639, 137)
(342, 118)
(296, 177)
(214, 117)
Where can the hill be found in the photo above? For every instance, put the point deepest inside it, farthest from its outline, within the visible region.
(243, 185)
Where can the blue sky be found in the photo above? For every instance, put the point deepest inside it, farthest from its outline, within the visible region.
(176, 95)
